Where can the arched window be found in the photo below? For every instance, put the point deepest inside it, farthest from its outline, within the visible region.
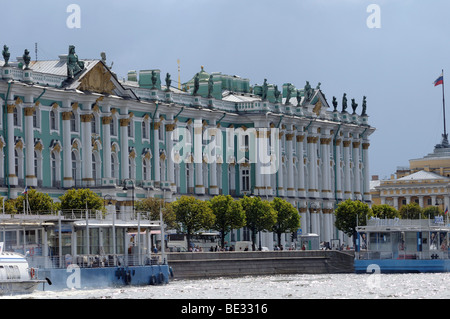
(146, 169)
(53, 120)
(73, 123)
(76, 172)
(114, 166)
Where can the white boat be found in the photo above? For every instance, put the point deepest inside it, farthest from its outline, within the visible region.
(16, 277)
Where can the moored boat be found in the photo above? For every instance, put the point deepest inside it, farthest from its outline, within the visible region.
(87, 249)
(16, 276)
(402, 246)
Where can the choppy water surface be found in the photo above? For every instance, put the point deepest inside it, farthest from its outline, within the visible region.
(329, 286)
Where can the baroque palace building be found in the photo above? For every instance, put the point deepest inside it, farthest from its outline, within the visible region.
(72, 123)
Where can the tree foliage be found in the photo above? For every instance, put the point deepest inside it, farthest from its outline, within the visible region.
(411, 211)
(229, 215)
(192, 215)
(385, 211)
(288, 219)
(350, 214)
(259, 214)
(78, 199)
(37, 202)
(153, 206)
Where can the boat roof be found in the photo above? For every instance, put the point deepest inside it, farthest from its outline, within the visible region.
(402, 225)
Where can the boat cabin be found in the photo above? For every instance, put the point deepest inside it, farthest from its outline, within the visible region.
(403, 239)
(84, 238)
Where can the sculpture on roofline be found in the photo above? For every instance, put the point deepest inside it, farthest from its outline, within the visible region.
(364, 106)
(354, 106)
(26, 59)
(344, 103)
(74, 66)
(288, 94)
(168, 82)
(299, 97)
(196, 84)
(6, 54)
(276, 93)
(210, 86)
(335, 103)
(308, 91)
(264, 90)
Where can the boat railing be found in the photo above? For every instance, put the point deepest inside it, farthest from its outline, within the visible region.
(94, 261)
(424, 255)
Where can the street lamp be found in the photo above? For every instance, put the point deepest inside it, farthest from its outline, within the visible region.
(125, 190)
(113, 226)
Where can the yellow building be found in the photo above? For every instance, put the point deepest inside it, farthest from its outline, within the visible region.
(426, 182)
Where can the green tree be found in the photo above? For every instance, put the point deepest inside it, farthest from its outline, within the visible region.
(37, 202)
(288, 219)
(385, 211)
(153, 206)
(259, 214)
(411, 211)
(229, 215)
(192, 215)
(9, 205)
(79, 199)
(431, 211)
(350, 214)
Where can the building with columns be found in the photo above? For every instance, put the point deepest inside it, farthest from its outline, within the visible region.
(426, 181)
(72, 123)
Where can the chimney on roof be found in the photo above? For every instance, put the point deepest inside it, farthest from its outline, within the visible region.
(63, 58)
(375, 177)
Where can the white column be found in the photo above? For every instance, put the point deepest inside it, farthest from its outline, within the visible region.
(347, 168)
(67, 150)
(260, 132)
(124, 161)
(312, 157)
(356, 170)
(106, 122)
(198, 156)
(13, 179)
(280, 184)
(170, 164)
(86, 133)
(156, 160)
(290, 165)
(326, 185)
(31, 179)
(366, 175)
(301, 166)
(337, 163)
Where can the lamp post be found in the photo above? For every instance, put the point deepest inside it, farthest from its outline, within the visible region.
(125, 190)
(163, 243)
(113, 227)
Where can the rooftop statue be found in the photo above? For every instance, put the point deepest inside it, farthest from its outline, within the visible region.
(26, 59)
(154, 79)
(308, 91)
(196, 84)
(344, 103)
(335, 103)
(288, 94)
(354, 106)
(6, 54)
(74, 67)
(264, 90)
(364, 106)
(299, 97)
(168, 82)
(318, 86)
(210, 86)
(276, 93)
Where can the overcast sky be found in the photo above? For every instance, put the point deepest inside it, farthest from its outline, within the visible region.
(293, 41)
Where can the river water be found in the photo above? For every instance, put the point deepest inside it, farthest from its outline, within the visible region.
(326, 286)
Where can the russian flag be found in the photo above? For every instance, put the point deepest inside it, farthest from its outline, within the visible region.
(25, 191)
(439, 80)
(446, 211)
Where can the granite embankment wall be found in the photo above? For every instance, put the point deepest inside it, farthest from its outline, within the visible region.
(198, 265)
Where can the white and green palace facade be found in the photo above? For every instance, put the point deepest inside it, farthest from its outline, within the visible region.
(71, 123)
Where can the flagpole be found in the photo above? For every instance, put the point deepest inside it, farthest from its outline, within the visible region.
(443, 104)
